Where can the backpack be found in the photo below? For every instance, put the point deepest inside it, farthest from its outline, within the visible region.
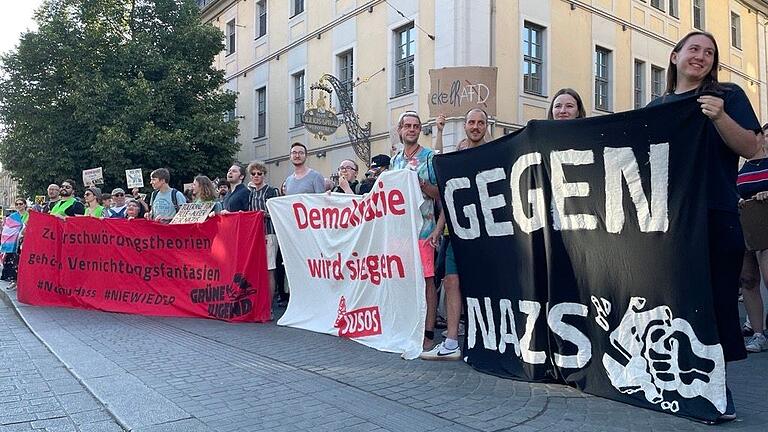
(174, 198)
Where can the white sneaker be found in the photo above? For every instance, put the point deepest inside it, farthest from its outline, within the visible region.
(439, 352)
(757, 343)
(461, 331)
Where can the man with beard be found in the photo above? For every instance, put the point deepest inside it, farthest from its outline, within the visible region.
(419, 159)
(304, 179)
(223, 189)
(53, 197)
(238, 197)
(475, 126)
(67, 205)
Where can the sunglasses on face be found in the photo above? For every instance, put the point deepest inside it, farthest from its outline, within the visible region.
(257, 173)
(20, 204)
(118, 195)
(344, 168)
(87, 194)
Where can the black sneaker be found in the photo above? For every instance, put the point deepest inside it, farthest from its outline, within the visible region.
(747, 331)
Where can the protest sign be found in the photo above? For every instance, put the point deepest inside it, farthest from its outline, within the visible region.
(455, 90)
(193, 213)
(134, 178)
(39, 199)
(581, 248)
(143, 267)
(353, 263)
(93, 176)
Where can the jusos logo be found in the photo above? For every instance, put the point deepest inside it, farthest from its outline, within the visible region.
(359, 322)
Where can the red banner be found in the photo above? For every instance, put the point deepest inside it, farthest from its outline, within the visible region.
(216, 269)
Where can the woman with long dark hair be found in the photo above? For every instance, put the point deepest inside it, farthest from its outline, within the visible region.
(566, 105)
(733, 131)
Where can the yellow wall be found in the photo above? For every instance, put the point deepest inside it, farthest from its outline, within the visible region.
(632, 29)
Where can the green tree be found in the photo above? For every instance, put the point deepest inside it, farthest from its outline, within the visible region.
(119, 84)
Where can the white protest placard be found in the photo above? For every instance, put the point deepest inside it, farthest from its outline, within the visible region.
(353, 263)
(134, 178)
(193, 213)
(93, 176)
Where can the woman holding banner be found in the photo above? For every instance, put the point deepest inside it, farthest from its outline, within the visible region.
(92, 198)
(134, 210)
(204, 191)
(10, 246)
(566, 105)
(732, 132)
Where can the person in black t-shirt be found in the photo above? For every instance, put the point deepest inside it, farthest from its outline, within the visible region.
(733, 131)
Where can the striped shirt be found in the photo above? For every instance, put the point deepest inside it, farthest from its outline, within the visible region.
(753, 178)
(258, 201)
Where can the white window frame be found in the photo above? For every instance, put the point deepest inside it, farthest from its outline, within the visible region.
(735, 30)
(658, 91)
(260, 28)
(340, 58)
(639, 83)
(528, 28)
(702, 12)
(259, 121)
(297, 7)
(603, 81)
(298, 103)
(231, 36)
(410, 58)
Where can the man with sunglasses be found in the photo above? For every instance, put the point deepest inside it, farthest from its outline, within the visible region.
(117, 210)
(68, 205)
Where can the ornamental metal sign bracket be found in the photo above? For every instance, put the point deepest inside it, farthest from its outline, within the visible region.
(322, 120)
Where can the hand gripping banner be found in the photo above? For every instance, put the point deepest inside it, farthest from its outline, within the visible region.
(581, 250)
(353, 263)
(216, 269)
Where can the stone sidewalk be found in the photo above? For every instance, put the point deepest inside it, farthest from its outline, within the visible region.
(36, 391)
(165, 374)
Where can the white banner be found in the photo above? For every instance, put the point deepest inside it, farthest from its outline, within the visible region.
(353, 263)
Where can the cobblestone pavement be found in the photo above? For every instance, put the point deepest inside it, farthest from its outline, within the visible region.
(166, 374)
(36, 391)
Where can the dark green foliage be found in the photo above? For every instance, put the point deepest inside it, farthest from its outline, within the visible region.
(119, 84)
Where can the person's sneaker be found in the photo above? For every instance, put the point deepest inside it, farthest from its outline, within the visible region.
(439, 352)
(746, 330)
(757, 343)
(461, 331)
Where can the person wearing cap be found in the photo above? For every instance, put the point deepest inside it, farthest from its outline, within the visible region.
(379, 164)
(117, 210)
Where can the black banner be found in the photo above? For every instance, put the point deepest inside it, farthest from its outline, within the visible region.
(582, 253)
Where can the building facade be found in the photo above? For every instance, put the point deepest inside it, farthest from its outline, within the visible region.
(613, 52)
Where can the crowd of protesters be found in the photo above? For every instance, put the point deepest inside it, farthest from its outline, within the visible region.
(693, 68)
